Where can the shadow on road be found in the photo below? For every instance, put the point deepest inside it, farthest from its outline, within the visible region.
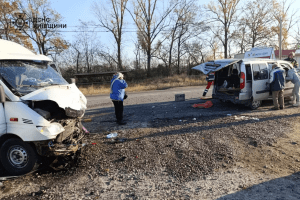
(277, 189)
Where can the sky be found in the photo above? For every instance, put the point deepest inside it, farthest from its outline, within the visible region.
(74, 10)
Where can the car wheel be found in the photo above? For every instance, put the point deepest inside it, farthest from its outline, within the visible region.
(17, 157)
(255, 104)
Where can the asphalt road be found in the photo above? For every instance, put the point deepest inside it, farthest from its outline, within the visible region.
(143, 107)
(153, 96)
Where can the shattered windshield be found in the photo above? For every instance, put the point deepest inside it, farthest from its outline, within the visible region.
(27, 76)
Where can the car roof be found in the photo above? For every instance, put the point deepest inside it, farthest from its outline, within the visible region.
(248, 60)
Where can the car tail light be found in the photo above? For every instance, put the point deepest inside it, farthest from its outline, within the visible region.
(12, 119)
(242, 80)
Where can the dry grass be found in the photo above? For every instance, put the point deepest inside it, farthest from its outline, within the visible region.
(148, 84)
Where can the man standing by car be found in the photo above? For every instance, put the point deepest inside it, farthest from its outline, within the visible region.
(292, 60)
(294, 77)
(277, 81)
(117, 95)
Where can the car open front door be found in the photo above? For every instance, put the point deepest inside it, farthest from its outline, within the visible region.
(260, 89)
(2, 120)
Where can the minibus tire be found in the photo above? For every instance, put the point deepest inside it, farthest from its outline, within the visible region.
(17, 157)
(255, 104)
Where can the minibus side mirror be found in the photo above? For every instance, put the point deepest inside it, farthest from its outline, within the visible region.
(2, 94)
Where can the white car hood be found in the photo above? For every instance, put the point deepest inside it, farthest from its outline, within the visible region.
(66, 96)
(213, 66)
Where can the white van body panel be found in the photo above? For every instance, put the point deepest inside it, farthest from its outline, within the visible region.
(28, 121)
(2, 120)
(64, 95)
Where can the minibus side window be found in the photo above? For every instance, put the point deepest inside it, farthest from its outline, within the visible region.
(260, 71)
(248, 72)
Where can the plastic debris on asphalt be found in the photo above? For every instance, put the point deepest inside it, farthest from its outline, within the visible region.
(194, 119)
(245, 118)
(85, 130)
(87, 120)
(207, 104)
(229, 114)
(112, 135)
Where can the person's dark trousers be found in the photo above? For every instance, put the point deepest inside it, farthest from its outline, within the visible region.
(118, 110)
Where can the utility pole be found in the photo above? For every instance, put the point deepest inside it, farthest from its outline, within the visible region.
(280, 40)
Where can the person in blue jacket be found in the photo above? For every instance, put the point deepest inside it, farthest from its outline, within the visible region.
(117, 94)
(277, 81)
(294, 77)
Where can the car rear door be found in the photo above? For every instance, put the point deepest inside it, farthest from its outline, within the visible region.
(213, 66)
(260, 89)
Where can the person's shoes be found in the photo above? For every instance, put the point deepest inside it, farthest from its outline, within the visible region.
(121, 122)
(296, 104)
(281, 107)
(274, 108)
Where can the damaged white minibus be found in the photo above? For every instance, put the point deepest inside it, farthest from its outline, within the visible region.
(243, 81)
(40, 112)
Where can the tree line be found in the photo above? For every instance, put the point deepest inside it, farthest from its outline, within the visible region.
(153, 37)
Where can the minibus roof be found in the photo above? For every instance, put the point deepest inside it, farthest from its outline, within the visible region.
(12, 51)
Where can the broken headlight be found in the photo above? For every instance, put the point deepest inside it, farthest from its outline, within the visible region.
(53, 130)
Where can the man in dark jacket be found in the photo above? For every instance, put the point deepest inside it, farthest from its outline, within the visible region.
(277, 81)
(117, 93)
(292, 60)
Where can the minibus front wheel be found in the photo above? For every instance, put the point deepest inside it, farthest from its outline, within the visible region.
(17, 157)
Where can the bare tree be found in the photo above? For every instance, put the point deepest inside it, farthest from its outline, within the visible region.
(296, 37)
(214, 46)
(257, 18)
(8, 28)
(76, 47)
(44, 35)
(240, 37)
(86, 48)
(225, 13)
(149, 25)
(186, 25)
(282, 10)
(195, 51)
(113, 21)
